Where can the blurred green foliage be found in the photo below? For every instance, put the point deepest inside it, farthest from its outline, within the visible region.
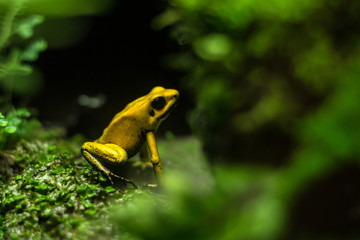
(15, 126)
(228, 211)
(62, 8)
(253, 65)
(16, 75)
(20, 44)
(276, 87)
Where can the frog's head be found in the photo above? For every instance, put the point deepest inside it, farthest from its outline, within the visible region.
(161, 102)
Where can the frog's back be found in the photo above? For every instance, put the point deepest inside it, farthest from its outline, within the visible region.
(126, 132)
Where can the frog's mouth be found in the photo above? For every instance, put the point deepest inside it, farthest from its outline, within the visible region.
(166, 114)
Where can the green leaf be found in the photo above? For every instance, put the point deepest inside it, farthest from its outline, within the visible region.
(19, 197)
(25, 27)
(19, 69)
(213, 47)
(46, 212)
(88, 204)
(22, 113)
(31, 53)
(41, 187)
(90, 212)
(167, 18)
(102, 178)
(3, 122)
(110, 189)
(10, 129)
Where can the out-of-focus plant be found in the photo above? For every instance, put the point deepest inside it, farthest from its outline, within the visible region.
(20, 45)
(258, 68)
(18, 48)
(16, 125)
(242, 205)
(63, 8)
(276, 84)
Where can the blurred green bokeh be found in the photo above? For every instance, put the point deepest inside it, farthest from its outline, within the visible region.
(59, 8)
(20, 44)
(276, 87)
(256, 65)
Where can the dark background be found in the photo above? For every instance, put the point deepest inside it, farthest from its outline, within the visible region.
(120, 57)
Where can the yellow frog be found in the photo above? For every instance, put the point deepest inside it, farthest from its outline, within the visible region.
(131, 131)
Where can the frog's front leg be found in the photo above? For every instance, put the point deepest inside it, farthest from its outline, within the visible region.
(155, 159)
(97, 154)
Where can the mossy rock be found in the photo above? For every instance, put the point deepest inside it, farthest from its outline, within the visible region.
(57, 194)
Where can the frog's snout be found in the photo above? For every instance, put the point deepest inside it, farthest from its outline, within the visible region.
(176, 98)
(175, 94)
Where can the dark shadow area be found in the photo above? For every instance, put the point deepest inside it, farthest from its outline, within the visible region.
(329, 208)
(118, 60)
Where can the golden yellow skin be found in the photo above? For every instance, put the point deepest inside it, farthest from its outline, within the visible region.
(131, 131)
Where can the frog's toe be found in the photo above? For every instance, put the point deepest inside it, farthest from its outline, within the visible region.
(110, 180)
(123, 180)
(143, 165)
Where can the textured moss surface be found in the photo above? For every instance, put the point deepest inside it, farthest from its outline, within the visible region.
(50, 191)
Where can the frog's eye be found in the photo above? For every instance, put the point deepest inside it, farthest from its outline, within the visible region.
(158, 103)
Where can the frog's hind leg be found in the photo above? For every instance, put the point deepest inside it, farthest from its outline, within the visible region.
(144, 158)
(96, 154)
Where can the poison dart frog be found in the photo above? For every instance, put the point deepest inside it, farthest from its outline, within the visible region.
(131, 131)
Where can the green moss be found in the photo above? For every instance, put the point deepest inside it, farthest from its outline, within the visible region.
(55, 192)
(52, 192)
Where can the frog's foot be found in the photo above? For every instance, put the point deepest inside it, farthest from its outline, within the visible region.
(93, 160)
(143, 164)
(150, 186)
(125, 180)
